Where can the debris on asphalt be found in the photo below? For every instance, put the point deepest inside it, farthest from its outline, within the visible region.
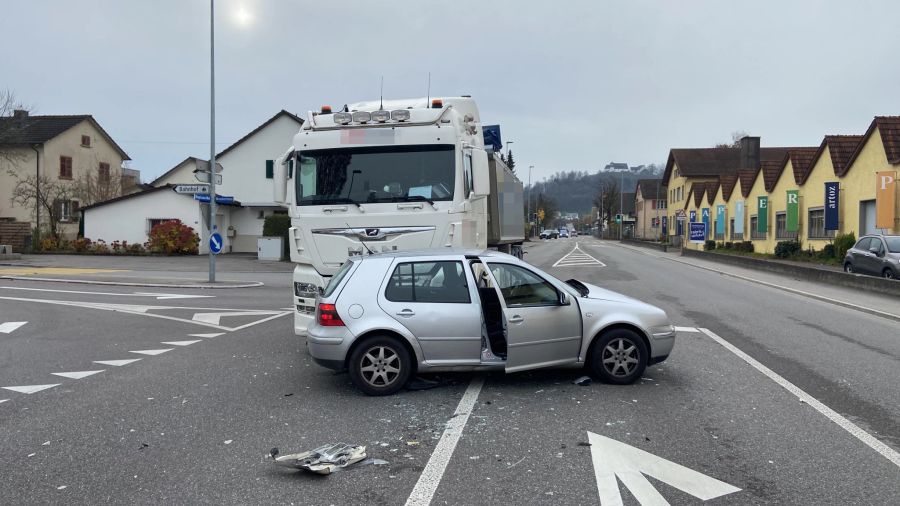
(412, 443)
(144, 445)
(228, 441)
(374, 462)
(420, 383)
(45, 443)
(288, 395)
(584, 443)
(322, 460)
(583, 381)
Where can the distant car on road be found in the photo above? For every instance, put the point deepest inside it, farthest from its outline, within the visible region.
(574, 233)
(549, 234)
(387, 316)
(545, 234)
(878, 255)
(564, 233)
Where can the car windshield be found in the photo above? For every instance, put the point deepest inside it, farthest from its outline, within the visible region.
(893, 244)
(376, 174)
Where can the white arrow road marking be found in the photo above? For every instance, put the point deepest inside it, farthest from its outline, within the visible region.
(117, 363)
(579, 258)
(77, 374)
(208, 335)
(152, 352)
(143, 310)
(180, 343)
(8, 327)
(613, 459)
(135, 294)
(30, 389)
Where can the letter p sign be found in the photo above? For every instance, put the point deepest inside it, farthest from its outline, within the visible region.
(885, 180)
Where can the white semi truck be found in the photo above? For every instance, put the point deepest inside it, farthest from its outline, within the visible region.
(392, 175)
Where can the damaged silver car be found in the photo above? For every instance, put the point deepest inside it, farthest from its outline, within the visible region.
(385, 317)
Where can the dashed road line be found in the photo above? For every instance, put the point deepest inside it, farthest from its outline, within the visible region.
(77, 374)
(430, 478)
(30, 389)
(152, 352)
(3, 400)
(854, 430)
(208, 336)
(181, 343)
(579, 258)
(9, 327)
(117, 363)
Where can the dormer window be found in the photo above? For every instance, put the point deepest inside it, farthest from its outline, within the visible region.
(86, 141)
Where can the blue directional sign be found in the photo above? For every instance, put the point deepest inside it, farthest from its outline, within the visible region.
(215, 243)
(698, 232)
(220, 199)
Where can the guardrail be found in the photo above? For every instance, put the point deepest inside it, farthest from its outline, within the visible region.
(804, 272)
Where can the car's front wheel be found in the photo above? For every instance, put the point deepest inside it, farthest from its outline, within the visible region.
(848, 268)
(380, 366)
(619, 356)
(888, 274)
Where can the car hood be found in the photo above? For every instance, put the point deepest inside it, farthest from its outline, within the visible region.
(595, 292)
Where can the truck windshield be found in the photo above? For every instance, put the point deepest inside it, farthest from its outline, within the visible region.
(376, 174)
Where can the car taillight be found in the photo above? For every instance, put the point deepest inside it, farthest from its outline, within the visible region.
(328, 316)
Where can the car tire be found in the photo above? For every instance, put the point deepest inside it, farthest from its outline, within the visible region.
(848, 268)
(380, 365)
(619, 356)
(888, 274)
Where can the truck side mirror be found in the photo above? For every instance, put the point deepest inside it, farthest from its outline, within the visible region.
(279, 178)
(481, 175)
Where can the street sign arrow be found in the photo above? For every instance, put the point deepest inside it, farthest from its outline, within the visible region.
(192, 188)
(613, 459)
(203, 176)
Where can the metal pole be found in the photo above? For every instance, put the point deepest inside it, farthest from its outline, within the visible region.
(621, 205)
(212, 136)
(530, 221)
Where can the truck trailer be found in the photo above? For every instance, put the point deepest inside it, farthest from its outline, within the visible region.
(392, 175)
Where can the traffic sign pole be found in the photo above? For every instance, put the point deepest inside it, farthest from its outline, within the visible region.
(212, 137)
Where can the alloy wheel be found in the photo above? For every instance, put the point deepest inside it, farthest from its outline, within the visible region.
(620, 357)
(380, 366)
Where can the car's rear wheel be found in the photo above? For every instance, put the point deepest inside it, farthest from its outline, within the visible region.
(848, 268)
(888, 274)
(380, 366)
(619, 356)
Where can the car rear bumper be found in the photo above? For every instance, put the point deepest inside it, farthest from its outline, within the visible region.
(328, 345)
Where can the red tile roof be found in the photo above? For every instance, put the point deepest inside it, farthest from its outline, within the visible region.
(728, 181)
(747, 177)
(801, 162)
(889, 127)
(771, 171)
(712, 187)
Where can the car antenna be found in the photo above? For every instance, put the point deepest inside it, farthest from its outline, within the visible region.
(428, 91)
(381, 106)
(349, 228)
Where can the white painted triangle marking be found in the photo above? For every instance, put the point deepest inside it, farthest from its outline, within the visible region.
(613, 459)
(181, 343)
(30, 389)
(152, 352)
(8, 327)
(77, 374)
(207, 335)
(3, 400)
(214, 318)
(117, 363)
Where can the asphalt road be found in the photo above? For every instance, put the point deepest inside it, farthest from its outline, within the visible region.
(193, 424)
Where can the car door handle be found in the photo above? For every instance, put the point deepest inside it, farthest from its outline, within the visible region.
(406, 312)
(516, 319)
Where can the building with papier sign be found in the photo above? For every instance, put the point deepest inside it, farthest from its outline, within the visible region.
(848, 184)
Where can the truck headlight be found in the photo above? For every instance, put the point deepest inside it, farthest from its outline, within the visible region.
(306, 290)
(342, 118)
(400, 115)
(381, 116)
(362, 117)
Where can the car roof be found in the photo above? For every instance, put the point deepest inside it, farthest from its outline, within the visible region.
(436, 252)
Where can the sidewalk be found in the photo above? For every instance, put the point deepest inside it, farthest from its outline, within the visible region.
(873, 303)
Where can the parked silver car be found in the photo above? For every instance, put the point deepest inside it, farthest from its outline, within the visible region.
(384, 317)
(875, 254)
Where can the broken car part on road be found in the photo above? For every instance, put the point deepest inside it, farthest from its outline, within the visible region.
(323, 460)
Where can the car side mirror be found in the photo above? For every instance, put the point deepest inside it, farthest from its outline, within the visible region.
(563, 299)
(874, 250)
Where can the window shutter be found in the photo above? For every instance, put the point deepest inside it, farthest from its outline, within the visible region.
(270, 169)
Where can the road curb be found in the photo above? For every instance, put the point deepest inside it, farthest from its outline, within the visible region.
(206, 286)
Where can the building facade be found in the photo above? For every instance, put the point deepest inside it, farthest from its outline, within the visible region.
(650, 205)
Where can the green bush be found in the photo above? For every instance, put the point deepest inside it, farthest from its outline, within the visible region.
(843, 242)
(729, 245)
(827, 251)
(746, 246)
(787, 249)
(709, 245)
(277, 225)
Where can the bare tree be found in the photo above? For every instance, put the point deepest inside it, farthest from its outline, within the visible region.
(607, 199)
(736, 137)
(10, 149)
(96, 183)
(53, 200)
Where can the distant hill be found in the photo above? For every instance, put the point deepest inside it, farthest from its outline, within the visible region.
(574, 191)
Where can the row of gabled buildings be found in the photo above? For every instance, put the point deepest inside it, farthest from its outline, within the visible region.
(847, 184)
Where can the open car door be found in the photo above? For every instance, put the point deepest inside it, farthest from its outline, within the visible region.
(543, 323)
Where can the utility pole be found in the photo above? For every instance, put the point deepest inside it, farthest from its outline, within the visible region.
(530, 221)
(621, 205)
(212, 136)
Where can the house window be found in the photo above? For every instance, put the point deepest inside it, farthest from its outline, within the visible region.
(735, 236)
(103, 172)
(662, 204)
(86, 141)
(261, 215)
(66, 210)
(152, 222)
(754, 234)
(718, 236)
(270, 169)
(817, 224)
(65, 167)
(780, 227)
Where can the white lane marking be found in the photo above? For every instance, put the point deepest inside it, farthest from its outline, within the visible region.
(214, 318)
(854, 430)
(430, 478)
(686, 329)
(614, 459)
(9, 327)
(181, 343)
(143, 310)
(152, 352)
(208, 335)
(580, 258)
(30, 389)
(77, 374)
(117, 363)
(3, 400)
(159, 296)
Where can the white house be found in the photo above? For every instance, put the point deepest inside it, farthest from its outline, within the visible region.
(247, 171)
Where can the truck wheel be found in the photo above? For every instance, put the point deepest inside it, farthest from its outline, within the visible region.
(380, 366)
(619, 356)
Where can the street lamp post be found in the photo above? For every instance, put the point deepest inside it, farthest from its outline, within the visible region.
(212, 136)
(507, 148)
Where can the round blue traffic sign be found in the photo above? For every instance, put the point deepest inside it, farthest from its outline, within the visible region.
(215, 243)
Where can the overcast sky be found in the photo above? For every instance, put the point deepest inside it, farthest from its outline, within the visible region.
(575, 85)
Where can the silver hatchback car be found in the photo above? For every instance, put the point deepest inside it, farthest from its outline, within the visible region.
(384, 317)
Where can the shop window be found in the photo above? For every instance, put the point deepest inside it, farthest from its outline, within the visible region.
(816, 225)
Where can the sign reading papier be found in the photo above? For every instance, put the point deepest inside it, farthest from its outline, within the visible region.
(885, 199)
(762, 214)
(831, 206)
(792, 221)
(720, 219)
